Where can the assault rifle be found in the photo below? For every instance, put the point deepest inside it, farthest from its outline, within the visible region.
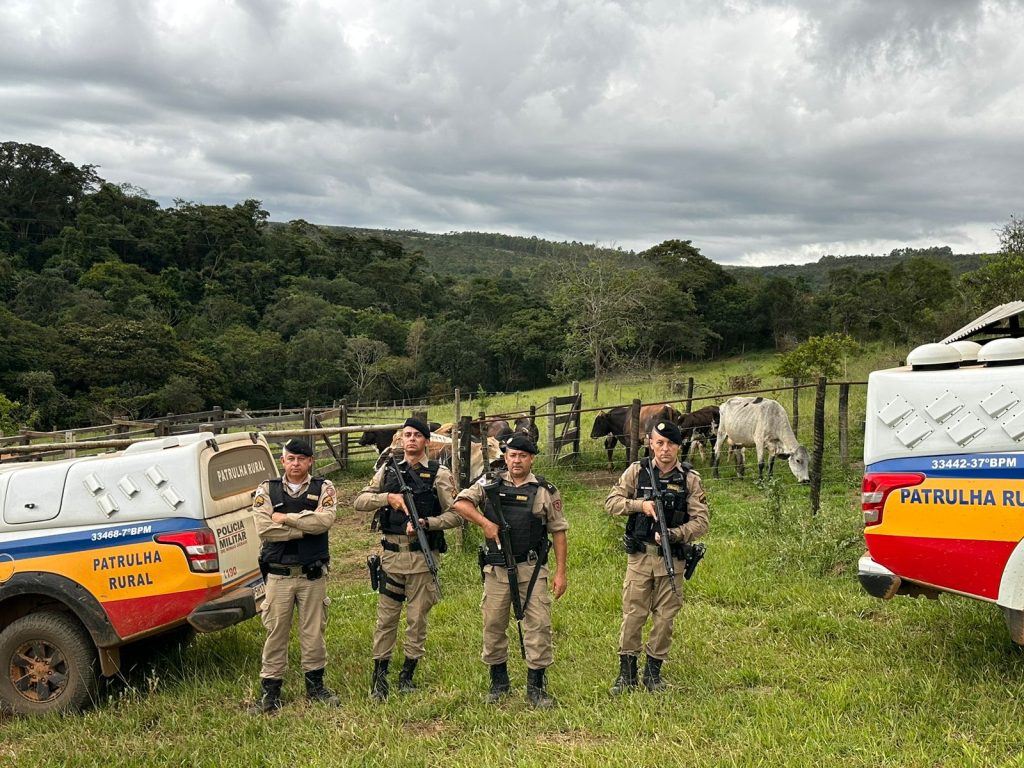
(505, 550)
(417, 524)
(659, 511)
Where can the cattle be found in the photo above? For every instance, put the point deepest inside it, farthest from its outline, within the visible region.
(615, 425)
(439, 449)
(764, 424)
(381, 439)
(527, 425)
(699, 429)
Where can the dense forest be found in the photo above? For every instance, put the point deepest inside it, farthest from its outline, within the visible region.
(113, 306)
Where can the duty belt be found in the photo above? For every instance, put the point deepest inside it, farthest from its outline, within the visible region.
(284, 570)
(655, 550)
(497, 558)
(413, 547)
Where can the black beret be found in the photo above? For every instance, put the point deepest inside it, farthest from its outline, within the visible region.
(669, 431)
(297, 446)
(520, 443)
(419, 425)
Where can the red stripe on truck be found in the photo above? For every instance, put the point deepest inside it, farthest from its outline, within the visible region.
(962, 565)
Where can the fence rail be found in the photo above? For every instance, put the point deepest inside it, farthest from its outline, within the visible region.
(331, 427)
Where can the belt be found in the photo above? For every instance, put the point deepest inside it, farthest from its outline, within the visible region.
(413, 547)
(284, 570)
(497, 558)
(653, 549)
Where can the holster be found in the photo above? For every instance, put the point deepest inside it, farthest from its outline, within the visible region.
(373, 565)
(315, 570)
(691, 555)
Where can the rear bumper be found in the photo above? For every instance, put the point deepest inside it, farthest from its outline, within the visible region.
(877, 580)
(227, 610)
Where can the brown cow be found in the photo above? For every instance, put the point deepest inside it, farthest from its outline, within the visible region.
(699, 429)
(618, 422)
(381, 439)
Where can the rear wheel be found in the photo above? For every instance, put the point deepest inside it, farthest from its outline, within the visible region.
(49, 663)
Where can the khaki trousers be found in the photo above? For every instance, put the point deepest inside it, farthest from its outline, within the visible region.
(420, 597)
(284, 593)
(497, 608)
(646, 592)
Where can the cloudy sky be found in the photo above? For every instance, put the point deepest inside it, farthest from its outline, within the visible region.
(763, 131)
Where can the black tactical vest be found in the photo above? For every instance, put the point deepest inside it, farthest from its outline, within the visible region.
(528, 531)
(421, 482)
(312, 546)
(673, 489)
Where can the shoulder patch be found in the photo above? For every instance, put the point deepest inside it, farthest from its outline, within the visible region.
(329, 500)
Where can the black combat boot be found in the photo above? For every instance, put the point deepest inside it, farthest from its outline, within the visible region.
(535, 693)
(500, 684)
(627, 676)
(405, 683)
(270, 701)
(315, 690)
(652, 675)
(379, 690)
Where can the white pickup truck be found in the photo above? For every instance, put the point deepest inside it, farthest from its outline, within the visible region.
(99, 551)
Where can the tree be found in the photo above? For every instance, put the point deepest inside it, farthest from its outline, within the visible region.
(1001, 277)
(818, 356)
(364, 358)
(602, 302)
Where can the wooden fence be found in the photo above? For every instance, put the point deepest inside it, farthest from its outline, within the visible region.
(330, 427)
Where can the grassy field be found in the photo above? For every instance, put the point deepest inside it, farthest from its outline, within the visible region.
(779, 659)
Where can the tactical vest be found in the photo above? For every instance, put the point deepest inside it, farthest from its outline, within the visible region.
(312, 546)
(529, 533)
(673, 488)
(421, 483)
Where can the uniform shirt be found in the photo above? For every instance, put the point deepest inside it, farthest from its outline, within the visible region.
(295, 526)
(547, 505)
(372, 498)
(623, 500)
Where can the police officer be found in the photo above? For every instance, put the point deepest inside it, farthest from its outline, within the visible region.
(401, 572)
(532, 507)
(293, 515)
(646, 590)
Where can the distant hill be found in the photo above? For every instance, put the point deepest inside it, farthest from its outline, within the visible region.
(816, 273)
(478, 254)
(472, 254)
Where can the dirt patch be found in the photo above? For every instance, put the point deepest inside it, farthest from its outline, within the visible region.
(426, 727)
(572, 738)
(597, 478)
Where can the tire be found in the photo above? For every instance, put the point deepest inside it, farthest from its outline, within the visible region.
(48, 664)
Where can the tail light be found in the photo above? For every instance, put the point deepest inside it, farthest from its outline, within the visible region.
(200, 548)
(876, 489)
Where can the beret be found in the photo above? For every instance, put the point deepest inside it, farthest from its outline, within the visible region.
(300, 447)
(419, 425)
(669, 431)
(520, 443)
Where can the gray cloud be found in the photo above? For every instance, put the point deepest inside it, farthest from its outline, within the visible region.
(761, 130)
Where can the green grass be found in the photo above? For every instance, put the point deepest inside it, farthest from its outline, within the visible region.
(779, 659)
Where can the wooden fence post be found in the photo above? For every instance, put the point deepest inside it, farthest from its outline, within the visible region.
(819, 445)
(634, 433)
(551, 411)
(343, 437)
(844, 423)
(465, 466)
(577, 419)
(796, 406)
(456, 454)
(689, 395)
(69, 437)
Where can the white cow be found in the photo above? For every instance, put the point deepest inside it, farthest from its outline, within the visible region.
(763, 424)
